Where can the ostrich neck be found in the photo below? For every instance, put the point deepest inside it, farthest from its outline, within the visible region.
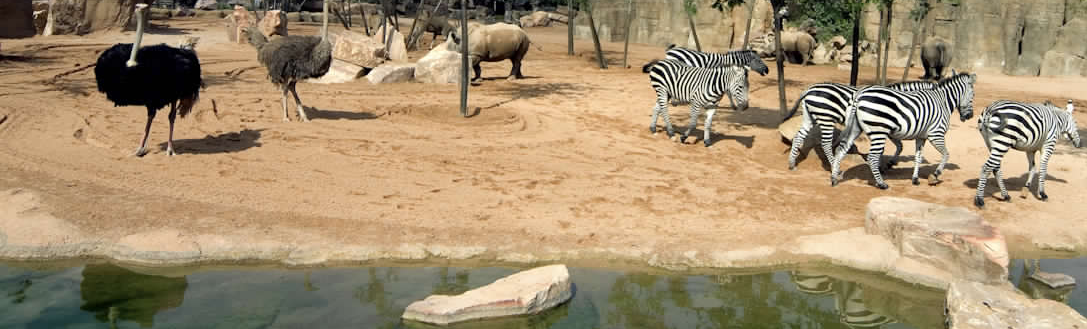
(139, 36)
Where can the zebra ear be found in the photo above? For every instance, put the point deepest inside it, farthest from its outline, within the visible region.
(1071, 108)
(973, 77)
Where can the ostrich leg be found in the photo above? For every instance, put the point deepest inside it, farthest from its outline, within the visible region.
(146, 131)
(170, 141)
(298, 103)
(286, 118)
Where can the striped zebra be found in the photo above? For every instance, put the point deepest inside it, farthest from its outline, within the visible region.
(1030, 128)
(700, 87)
(853, 312)
(695, 58)
(884, 113)
(824, 105)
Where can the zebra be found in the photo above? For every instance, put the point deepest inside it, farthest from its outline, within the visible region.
(700, 87)
(1029, 128)
(696, 58)
(884, 113)
(826, 104)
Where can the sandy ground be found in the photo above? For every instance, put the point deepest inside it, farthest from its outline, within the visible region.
(558, 162)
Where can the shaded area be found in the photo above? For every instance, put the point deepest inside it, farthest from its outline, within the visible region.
(223, 143)
(113, 293)
(316, 113)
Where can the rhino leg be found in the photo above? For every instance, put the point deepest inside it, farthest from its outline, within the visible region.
(477, 70)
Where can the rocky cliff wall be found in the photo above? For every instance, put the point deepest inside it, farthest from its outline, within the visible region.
(1020, 37)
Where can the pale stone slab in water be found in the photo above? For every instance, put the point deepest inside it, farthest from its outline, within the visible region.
(526, 292)
(948, 238)
(1054, 280)
(973, 305)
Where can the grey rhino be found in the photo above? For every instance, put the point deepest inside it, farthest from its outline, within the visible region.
(798, 46)
(494, 43)
(935, 56)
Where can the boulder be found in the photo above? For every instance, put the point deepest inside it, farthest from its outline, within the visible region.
(973, 305)
(391, 73)
(303, 16)
(340, 72)
(206, 5)
(398, 50)
(837, 42)
(527, 292)
(537, 19)
(440, 65)
(273, 23)
(241, 21)
(40, 18)
(822, 55)
(358, 49)
(184, 12)
(561, 18)
(789, 128)
(85, 16)
(952, 239)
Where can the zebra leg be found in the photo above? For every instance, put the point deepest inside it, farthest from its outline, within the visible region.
(1047, 151)
(917, 159)
(991, 165)
(798, 140)
(1000, 182)
(979, 199)
(874, 153)
(667, 117)
(695, 111)
(656, 112)
(708, 133)
(938, 142)
(894, 159)
(1030, 169)
(843, 147)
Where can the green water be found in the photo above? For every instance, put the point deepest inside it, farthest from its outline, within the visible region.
(101, 295)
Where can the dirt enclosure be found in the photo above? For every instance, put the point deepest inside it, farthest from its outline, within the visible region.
(562, 160)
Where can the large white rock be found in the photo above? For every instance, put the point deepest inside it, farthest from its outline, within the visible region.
(440, 65)
(398, 50)
(953, 239)
(339, 72)
(391, 73)
(358, 49)
(206, 5)
(537, 19)
(973, 305)
(528, 292)
(273, 23)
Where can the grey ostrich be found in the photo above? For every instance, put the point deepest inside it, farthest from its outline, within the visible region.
(292, 58)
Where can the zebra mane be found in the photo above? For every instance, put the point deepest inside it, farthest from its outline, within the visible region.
(953, 79)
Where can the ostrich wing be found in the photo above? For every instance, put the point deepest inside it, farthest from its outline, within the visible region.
(294, 58)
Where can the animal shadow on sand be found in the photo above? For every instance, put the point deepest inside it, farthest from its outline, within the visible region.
(316, 113)
(1011, 183)
(223, 143)
(165, 29)
(903, 171)
(519, 91)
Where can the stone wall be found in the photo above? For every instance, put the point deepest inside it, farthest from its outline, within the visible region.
(661, 22)
(1019, 37)
(85, 16)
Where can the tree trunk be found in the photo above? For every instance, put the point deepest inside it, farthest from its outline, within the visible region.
(464, 59)
(780, 57)
(570, 13)
(413, 37)
(887, 41)
(626, 35)
(596, 39)
(750, 19)
(918, 39)
(855, 65)
(879, 43)
(694, 32)
(365, 21)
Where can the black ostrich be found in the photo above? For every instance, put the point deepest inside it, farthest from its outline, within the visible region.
(292, 58)
(153, 76)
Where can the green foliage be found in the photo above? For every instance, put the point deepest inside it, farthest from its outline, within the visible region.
(831, 17)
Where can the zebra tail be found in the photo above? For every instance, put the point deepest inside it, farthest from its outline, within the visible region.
(647, 66)
(795, 106)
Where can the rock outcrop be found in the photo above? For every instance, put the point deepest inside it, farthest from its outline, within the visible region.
(206, 5)
(537, 19)
(86, 16)
(391, 73)
(665, 22)
(358, 49)
(17, 19)
(398, 49)
(973, 305)
(528, 292)
(440, 65)
(239, 21)
(273, 23)
(947, 238)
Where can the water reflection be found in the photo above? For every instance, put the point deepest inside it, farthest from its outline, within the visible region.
(1036, 289)
(375, 297)
(113, 293)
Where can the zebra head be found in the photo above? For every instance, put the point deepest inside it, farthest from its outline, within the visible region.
(737, 86)
(966, 98)
(1071, 128)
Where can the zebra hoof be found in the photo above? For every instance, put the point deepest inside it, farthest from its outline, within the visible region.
(1043, 196)
(652, 130)
(706, 142)
(979, 202)
(833, 182)
(792, 167)
(1006, 198)
(882, 186)
(916, 181)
